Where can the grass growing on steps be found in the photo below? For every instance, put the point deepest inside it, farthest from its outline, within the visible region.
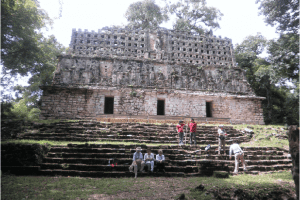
(262, 136)
(29, 187)
(65, 143)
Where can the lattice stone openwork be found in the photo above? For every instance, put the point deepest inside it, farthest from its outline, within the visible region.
(121, 71)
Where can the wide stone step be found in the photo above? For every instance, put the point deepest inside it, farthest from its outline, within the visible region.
(268, 162)
(120, 170)
(263, 168)
(102, 161)
(61, 172)
(259, 154)
(115, 139)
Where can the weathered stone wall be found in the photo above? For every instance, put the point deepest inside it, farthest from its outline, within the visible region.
(140, 67)
(238, 109)
(88, 103)
(70, 103)
(149, 74)
(160, 45)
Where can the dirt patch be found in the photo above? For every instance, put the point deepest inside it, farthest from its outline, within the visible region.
(152, 188)
(173, 188)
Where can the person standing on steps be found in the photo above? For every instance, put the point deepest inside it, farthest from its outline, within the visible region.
(160, 161)
(238, 154)
(193, 130)
(222, 136)
(149, 159)
(179, 128)
(138, 163)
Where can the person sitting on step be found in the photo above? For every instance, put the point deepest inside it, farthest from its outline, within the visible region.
(160, 161)
(222, 136)
(238, 154)
(149, 159)
(138, 163)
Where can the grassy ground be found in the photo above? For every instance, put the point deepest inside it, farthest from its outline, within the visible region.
(253, 187)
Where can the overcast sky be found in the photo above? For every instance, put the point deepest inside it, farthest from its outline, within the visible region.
(239, 21)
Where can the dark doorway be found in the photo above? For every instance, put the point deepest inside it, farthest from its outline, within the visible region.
(109, 105)
(160, 107)
(208, 109)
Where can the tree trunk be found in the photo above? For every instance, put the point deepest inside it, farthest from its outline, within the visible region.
(293, 135)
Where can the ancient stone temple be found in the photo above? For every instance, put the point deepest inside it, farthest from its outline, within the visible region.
(122, 71)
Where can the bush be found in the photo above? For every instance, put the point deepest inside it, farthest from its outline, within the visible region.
(21, 111)
(14, 154)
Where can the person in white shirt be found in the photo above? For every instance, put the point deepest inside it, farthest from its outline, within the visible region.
(238, 154)
(138, 163)
(160, 161)
(222, 137)
(149, 159)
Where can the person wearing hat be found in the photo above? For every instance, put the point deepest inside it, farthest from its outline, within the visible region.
(179, 128)
(138, 163)
(193, 130)
(160, 161)
(238, 154)
(222, 136)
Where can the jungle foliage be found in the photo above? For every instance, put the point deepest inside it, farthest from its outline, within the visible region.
(25, 52)
(193, 16)
(275, 76)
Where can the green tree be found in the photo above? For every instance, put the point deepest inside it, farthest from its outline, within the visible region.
(194, 16)
(24, 112)
(43, 71)
(281, 13)
(284, 51)
(264, 81)
(145, 14)
(284, 59)
(20, 24)
(25, 52)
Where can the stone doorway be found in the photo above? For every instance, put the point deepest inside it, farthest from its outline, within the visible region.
(160, 107)
(208, 109)
(109, 105)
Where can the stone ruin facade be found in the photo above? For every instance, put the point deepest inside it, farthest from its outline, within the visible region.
(122, 71)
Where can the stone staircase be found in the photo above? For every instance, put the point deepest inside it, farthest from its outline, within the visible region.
(125, 132)
(95, 160)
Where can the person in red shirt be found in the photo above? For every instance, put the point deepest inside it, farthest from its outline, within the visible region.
(193, 130)
(179, 128)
